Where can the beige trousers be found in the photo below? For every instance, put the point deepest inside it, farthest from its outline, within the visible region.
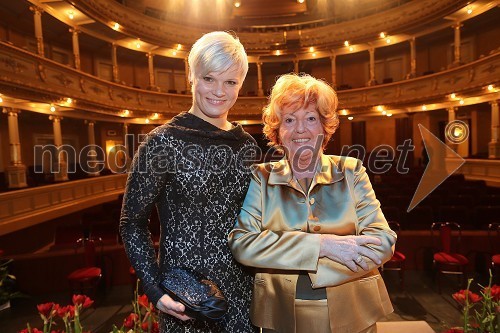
(312, 317)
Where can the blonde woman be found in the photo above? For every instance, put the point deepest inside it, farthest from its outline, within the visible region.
(192, 170)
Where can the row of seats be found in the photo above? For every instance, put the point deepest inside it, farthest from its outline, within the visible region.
(447, 256)
(422, 216)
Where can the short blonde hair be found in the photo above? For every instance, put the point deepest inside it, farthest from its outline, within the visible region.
(217, 51)
(296, 91)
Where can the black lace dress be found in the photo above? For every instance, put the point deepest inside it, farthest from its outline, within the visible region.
(197, 175)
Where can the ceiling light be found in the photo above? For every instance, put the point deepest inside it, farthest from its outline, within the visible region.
(351, 48)
(179, 46)
(380, 108)
(146, 121)
(343, 112)
(52, 108)
(389, 115)
(116, 26)
(301, 1)
(237, 4)
(461, 102)
(388, 41)
(469, 11)
(453, 96)
(138, 44)
(424, 107)
(490, 87)
(69, 100)
(382, 35)
(71, 15)
(278, 52)
(311, 49)
(350, 118)
(1, 99)
(384, 113)
(174, 52)
(346, 43)
(314, 54)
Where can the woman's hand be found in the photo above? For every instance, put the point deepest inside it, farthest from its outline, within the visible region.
(168, 305)
(349, 250)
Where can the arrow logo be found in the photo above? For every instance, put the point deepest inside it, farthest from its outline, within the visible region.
(443, 161)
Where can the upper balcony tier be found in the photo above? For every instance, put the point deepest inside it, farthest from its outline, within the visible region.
(35, 83)
(300, 26)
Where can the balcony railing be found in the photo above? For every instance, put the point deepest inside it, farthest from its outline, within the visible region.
(28, 76)
(25, 208)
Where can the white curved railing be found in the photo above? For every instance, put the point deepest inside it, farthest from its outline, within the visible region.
(24, 208)
(487, 170)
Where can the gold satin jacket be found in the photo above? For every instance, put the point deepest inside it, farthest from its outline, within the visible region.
(278, 232)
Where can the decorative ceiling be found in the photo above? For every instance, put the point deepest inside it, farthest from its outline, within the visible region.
(291, 29)
(259, 14)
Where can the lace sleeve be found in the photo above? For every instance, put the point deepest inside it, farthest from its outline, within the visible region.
(146, 181)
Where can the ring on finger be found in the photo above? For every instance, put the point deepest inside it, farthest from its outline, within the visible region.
(359, 259)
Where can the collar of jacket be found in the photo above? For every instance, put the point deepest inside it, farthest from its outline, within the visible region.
(327, 172)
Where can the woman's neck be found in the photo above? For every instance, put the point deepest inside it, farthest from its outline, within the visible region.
(221, 122)
(304, 167)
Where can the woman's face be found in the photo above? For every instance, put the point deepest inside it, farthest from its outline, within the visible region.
(215, 93)
(301, 131)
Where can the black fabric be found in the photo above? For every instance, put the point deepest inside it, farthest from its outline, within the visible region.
(197, 176)
(202, 298)
(305, 291)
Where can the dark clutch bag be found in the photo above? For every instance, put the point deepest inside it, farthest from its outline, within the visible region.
(201, 297)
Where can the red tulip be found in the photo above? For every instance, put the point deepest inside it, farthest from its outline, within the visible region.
(145, 326)
(155, 328)
(495, 292)
(64, 311)
(461, 295)
(82, 300)
(143, 301)
(130, 321)
(47, 310)
(454, 330)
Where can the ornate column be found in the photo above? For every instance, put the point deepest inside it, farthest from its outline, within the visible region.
(186, 70)
(16, 171)
(451, 117)
(152, 83)
(129, 152)
(296, 66)
(333, 61)
(125, 139)
(494, 144)
(372, 80)
(456, 44)
(92, 155)
(76, 46)
(260, 91)
(116, 75)
(37, 15)
(413, 60)
(61, 172)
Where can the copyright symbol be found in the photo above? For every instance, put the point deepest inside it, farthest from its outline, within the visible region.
(456, 131)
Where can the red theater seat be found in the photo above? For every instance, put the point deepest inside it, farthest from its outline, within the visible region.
(85, 280)
(447, 258)
(397, 262)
